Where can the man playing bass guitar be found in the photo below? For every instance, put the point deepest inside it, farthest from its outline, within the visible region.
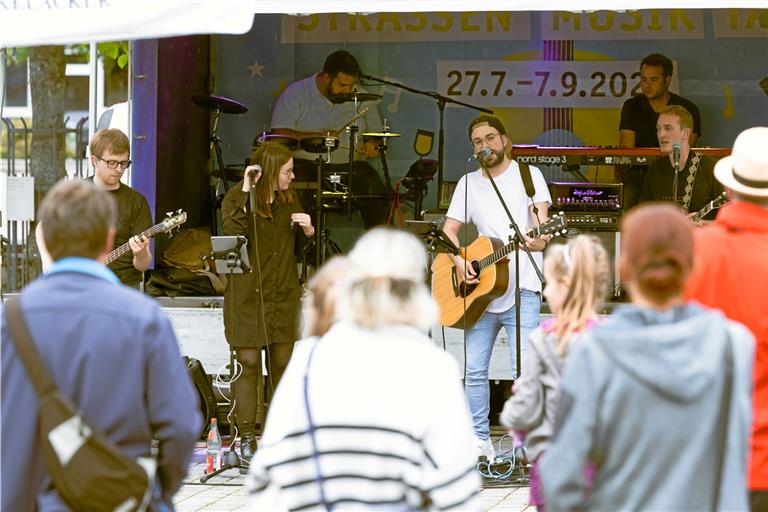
(474, 200)
(110, 152)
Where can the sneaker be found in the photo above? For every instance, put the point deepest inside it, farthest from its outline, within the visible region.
(485, 449)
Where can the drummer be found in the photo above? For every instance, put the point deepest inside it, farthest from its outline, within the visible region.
(319, 105)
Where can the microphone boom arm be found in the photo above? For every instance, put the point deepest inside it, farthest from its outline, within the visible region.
(441, 101)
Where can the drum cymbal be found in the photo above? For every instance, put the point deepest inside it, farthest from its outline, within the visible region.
(359, 96)
(220, 103)
(381, 134)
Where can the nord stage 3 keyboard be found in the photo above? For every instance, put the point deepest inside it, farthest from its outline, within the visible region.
(592, 155)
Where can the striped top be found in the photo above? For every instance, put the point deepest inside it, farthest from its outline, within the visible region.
(390, 428)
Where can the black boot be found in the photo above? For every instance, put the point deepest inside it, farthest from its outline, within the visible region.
(247, 446)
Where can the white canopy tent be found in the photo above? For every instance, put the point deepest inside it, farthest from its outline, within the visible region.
(56, 22)
(41, 22)
(45, 22)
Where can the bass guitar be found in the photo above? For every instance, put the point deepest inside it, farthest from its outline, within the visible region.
(712, 205)
(488, 257)
(170, 222)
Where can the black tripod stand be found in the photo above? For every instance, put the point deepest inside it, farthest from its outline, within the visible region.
(230, 253)
(323, 242)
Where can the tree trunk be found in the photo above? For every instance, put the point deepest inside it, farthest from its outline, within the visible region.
(47, 81)
(47, 69)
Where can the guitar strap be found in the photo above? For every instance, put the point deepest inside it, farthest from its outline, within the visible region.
(689, 182)
(525, 175)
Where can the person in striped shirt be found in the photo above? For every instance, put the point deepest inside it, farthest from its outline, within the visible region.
(371, 414)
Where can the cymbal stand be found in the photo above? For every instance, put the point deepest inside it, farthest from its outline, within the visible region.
(215, 142)
(323, 240)
(216, 196)
(382, 147)
(353, 129)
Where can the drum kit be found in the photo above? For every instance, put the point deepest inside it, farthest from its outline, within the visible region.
(334, 189)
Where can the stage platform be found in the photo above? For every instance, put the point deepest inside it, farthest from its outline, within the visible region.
(199, 326)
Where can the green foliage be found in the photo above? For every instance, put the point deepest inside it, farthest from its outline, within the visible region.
(115, 53)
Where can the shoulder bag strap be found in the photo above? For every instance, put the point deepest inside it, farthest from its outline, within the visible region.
(25, 347)
(725, 410)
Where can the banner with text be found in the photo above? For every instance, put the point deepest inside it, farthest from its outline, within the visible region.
(406, 27)
(539, 84)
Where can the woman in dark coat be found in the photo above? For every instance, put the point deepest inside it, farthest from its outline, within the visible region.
(262, 308)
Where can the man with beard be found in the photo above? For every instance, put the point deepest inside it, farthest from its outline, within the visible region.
(319, 106)
(475, 200)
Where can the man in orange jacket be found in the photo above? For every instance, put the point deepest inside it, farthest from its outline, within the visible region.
(731, 274)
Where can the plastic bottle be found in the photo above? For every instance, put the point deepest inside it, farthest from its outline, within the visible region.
(213, 448)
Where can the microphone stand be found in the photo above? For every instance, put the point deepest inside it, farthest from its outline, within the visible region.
(235, 265)
(518, 240)
(260, 406)
(441, 101)
(676, 167)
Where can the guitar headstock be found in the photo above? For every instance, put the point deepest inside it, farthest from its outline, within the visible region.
(554, 225)
(173, 221)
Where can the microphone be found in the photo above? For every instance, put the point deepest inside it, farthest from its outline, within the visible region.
(676, 156)
(367, 77)
(256, 168)
(483, 153)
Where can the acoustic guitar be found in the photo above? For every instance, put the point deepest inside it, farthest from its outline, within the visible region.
(172, 221)
(488, 256)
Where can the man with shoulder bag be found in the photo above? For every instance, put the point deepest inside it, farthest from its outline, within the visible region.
(91, 374)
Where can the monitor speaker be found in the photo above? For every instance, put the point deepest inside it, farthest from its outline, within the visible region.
(208, 406)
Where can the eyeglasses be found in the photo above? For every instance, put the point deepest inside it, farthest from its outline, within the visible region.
(112, 164)
(489, 139)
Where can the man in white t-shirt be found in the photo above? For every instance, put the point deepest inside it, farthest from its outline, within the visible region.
(315, 107)
(484, 209)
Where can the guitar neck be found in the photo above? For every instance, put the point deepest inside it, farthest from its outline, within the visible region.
(116, 253)
(703, 212)
(501, 252)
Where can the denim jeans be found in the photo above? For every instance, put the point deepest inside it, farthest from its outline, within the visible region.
(480, 340)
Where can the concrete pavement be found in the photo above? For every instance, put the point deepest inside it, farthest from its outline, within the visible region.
(226, 492)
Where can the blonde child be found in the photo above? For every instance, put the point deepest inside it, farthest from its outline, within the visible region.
(577, 281)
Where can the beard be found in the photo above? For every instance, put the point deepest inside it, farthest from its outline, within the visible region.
(495, 158)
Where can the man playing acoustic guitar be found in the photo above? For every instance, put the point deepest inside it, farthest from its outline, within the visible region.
(474, 200)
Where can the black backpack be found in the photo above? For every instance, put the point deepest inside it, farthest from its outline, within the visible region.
(88, 472)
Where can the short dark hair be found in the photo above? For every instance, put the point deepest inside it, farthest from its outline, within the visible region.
(660, 61)
(341, 61)
(490, 121)
(76, 217)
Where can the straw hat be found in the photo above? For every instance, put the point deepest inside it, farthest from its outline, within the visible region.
(745, 171)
